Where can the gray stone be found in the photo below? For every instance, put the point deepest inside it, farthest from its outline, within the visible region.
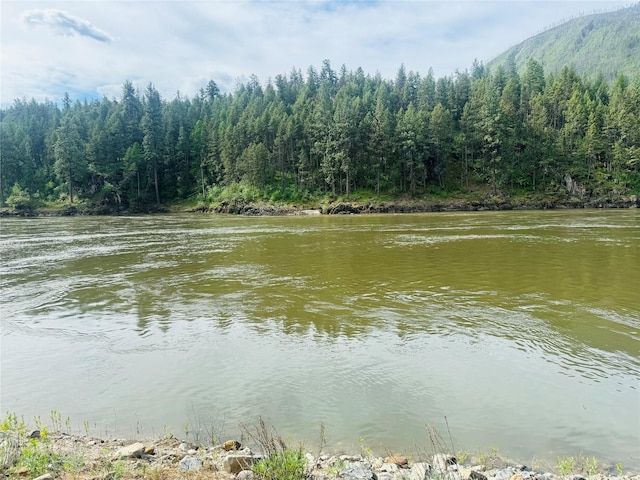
(236, 463)
(135, 450)
(475, 475)
(504, 474)
(386, 476)
(420, 471)
(183, 447)
(246, 475)
(34, 434)
(442, 461)
(349, 458)
(357, 471)
(575, 476)
(189, 463)
(389, 468)
(46, 476)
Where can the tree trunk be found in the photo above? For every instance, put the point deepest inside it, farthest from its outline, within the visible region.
(155, 180)
(70, 187)
(202, 176)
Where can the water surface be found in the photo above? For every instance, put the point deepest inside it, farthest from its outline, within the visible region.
(522, 328)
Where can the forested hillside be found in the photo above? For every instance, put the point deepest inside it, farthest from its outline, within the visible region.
(606, 44)
(330, 132)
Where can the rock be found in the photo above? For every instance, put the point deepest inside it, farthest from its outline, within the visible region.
(420, 471)
(189, 463)
(150, 450)
(183, 447)
(357, 471)
(517, 476)
(236, 463)
(389, 468)
(34, 434)
(442, 461)
(192, 451)
(504, 474)
(349, 458)
(475, 475)
(46, 476)
(575, 476)
(398, 460)
(135, 450)
(246, 475)
(231, 445)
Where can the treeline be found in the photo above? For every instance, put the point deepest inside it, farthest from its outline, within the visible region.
(330, 132)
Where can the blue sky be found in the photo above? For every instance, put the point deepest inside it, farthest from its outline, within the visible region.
(89, 48)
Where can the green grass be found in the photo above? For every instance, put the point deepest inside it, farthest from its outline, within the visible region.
(566, 465)
(286, 465)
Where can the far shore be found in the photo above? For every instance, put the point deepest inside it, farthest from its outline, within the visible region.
(349, 206)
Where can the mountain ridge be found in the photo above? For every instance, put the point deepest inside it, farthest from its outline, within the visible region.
(606, 44)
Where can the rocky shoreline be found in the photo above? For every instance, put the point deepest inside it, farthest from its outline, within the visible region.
(239, 207)
(84, 457)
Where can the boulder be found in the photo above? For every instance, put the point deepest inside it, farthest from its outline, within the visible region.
(135, 450)
(475, 475)
(245, 475)
(236, 463)
(357, 471)
(231, 445)
(398, 460)
(189, 463)
(442, 461)
(504, 474)
(420, 471)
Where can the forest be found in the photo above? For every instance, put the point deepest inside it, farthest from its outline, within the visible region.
(332, 133)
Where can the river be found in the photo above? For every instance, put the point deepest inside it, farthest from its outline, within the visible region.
(521, 328)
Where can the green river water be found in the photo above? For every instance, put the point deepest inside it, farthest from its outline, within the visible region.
(522, 328)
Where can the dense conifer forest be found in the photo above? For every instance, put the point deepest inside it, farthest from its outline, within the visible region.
(330, 133)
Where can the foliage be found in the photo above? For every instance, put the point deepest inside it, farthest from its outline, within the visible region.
(37, 458)
(281, 462)
(19, 199)
(604, 44)
(566, 465)
(286, 465)
(331, 135)
(591, 466)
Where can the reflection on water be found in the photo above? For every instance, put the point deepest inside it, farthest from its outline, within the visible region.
(521, 327)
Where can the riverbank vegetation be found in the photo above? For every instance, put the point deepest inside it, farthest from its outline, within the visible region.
(302, 139)
(45, 454)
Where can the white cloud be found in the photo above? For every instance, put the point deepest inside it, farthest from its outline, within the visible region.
(65, 24)
(49, 47)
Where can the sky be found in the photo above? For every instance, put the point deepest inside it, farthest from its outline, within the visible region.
(89, 48)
